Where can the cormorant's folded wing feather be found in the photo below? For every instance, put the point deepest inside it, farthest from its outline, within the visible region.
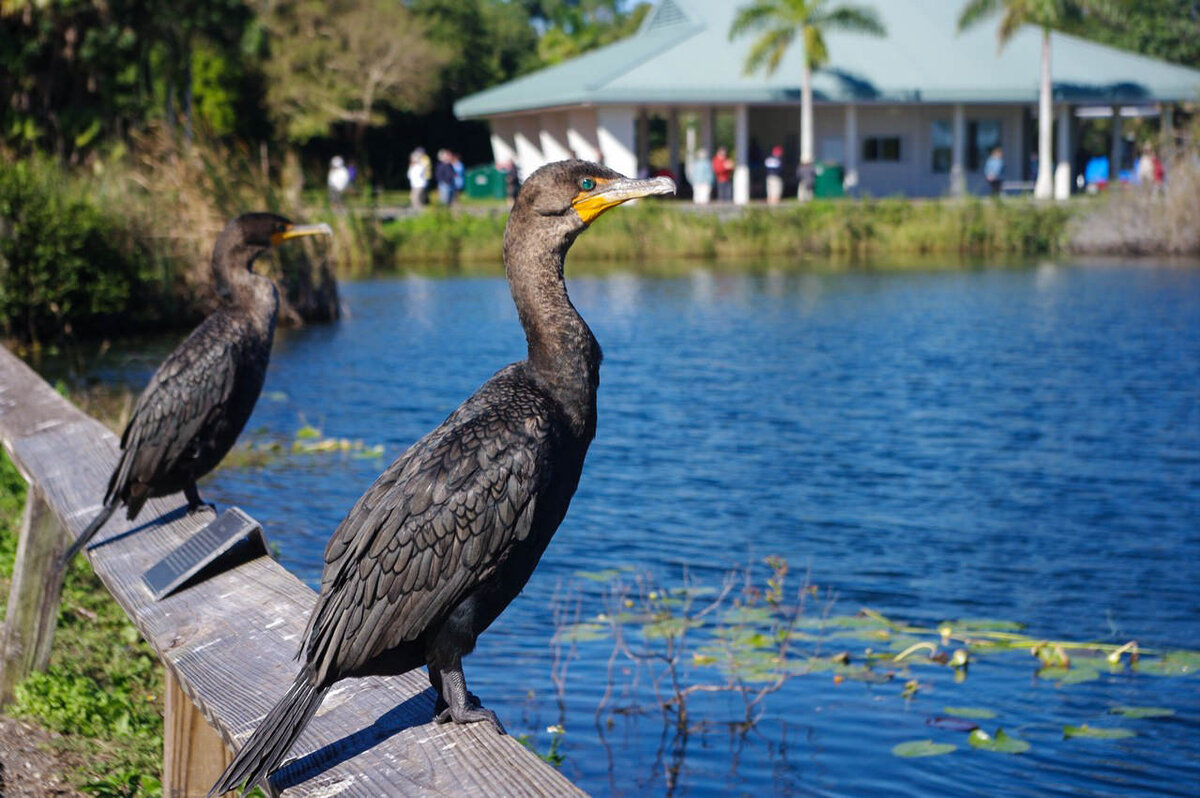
(431, 530)
(177, 408)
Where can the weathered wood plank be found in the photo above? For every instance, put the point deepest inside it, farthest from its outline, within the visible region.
(230, 641)
(194, 755)
(33, 597)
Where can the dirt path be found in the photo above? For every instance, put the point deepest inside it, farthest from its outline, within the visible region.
(29, 767)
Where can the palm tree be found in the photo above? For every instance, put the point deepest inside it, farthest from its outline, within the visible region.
(779, 22)
(1048, 15)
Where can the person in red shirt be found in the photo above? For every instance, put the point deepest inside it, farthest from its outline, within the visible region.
(722, 166)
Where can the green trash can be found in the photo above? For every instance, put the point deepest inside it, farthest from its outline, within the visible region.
(484, 182)
(828, 178)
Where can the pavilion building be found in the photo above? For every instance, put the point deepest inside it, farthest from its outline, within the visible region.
(913, 113)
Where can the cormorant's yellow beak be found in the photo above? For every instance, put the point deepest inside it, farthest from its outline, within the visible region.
(610, 193)
(298, 230)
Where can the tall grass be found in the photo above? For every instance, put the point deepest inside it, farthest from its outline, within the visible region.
(126, 243)
(1144, 220)
(842, 230)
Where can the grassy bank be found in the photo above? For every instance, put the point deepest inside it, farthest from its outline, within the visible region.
(102, 693)
(841, 230)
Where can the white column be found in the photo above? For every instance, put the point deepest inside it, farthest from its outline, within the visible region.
(673, 140)
(1063, 155)
(553, 132)
(643, 142)
(581, 134)
(707, 125)
(1166, 128)
(852, 147)
(1114, 156)
(527, 141)
(741, 169)
(615, 137)
(503, 148)
(958, 153)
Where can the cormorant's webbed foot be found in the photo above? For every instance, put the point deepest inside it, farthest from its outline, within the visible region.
(455, 703)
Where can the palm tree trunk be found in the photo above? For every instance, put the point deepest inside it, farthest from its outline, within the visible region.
(1044, 188)
(806, 115)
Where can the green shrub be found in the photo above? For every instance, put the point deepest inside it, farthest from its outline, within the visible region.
(65, 262)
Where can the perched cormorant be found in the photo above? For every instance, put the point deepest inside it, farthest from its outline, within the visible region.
(450, 532)
(197, 402)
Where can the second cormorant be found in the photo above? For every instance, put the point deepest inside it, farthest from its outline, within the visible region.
(450, 532)
(196, 404)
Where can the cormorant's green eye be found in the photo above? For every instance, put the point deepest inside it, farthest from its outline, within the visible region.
(587, 184)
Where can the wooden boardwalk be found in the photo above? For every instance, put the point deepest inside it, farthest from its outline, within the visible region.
(228, 643)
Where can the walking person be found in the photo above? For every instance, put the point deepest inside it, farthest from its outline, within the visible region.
(722, 166)
(993, 171)
(444, 175)
(460, 173)
(338, 181)
(774, 166)
(418, 177)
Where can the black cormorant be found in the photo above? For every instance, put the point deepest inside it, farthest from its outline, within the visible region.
(197, 402)
(450, 532)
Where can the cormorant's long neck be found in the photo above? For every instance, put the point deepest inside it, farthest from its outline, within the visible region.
(252, 297)
(563, 354)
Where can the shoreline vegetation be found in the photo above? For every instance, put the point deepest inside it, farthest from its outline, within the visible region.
(123, 246)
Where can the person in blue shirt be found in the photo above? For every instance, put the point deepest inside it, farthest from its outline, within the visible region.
(993, 171)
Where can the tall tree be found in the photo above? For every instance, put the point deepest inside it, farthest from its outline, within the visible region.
(340, 61)
(1167, 29)
(779, 22)
(572, 27)
(1048, 15)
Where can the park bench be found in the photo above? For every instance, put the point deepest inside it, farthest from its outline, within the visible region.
(228, 643)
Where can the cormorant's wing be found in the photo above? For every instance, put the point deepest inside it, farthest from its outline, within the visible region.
(432, 529)
(177, 408)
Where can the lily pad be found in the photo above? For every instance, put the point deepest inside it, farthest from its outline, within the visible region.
(984, 625)
(582, 633)
(307, 432)
(1097, 732)
(599, 576)
(669, 627)
(919, 748)
(1142, 712)
(1079, 675)
(1175, 663)
(976, 713)
(999, 742)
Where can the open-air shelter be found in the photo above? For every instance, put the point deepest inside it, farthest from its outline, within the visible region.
(914, 112)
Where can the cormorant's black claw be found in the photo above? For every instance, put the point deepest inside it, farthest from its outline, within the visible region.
(474, 714)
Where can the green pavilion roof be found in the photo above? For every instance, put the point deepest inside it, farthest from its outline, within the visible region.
(682, 56)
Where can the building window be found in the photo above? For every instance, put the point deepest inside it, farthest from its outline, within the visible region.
(881, 148)
(943, 147)
(983, 136)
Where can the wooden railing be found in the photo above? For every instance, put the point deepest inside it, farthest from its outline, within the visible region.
(228, 643)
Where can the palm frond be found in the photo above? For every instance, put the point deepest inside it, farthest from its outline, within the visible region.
(756, 17)
(816, 54)
(975, 11)
(1010, 23)
(854, 19)
(768, 50)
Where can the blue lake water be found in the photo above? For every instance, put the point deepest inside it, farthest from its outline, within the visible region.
(1021, 444)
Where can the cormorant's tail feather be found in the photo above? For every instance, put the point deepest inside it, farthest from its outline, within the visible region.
(88, 533)
(271, 741)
